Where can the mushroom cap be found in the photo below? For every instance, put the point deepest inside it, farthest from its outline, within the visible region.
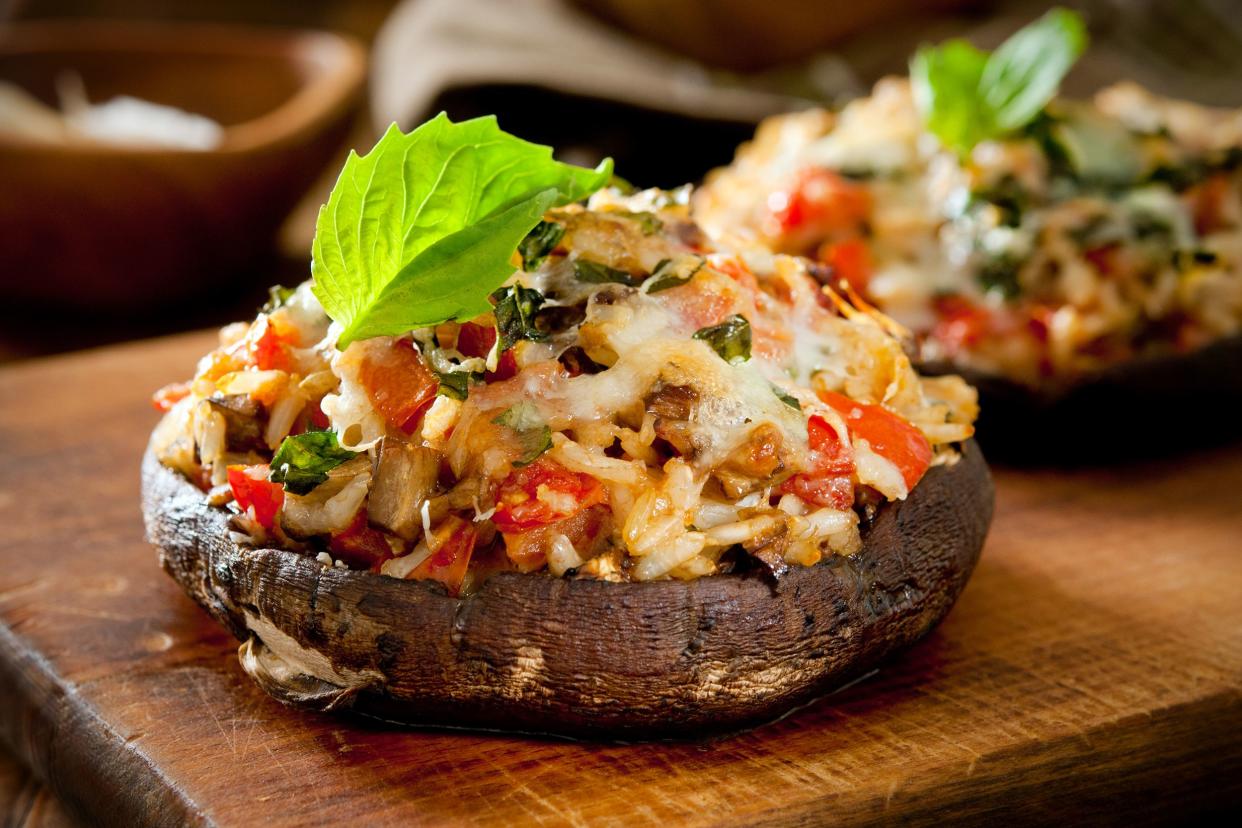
(1142, 408)
(534, 653)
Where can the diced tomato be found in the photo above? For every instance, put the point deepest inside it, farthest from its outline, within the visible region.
(889, 436)
(268, 344)
(821, 203)
(506, 367)
(543, 493)
(318, 419)
(360, 545)
(962, 324)
(529, 550)
(1103, 258)
(850, 260)
(829, 480)
(474, 340)
(251, 488)
(449, 562)
(1039, 319)
(1208, 203)
(170, 395)
(399, 384)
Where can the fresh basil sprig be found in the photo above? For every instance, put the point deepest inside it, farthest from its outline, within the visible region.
(730, 339)
(303, 461)
(967, 95)
(421, 229)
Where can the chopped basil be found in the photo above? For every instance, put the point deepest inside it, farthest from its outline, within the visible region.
(787, 398)
(303, 461)
(532, 432)
(538, 243)
(595, 273)
(1001, 274)
(730, 339)
(666, 277)
(1186, 259)
(649, 222)
(456, 384)
(1007, 196)
(277, 297)
(515, 311)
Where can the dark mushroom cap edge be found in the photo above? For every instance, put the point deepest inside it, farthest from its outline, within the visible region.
(577, 658)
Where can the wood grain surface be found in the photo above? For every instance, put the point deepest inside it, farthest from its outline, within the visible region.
(1091, 672)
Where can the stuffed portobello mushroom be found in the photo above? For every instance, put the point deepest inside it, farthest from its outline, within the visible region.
(1078, 261)
(512, 460)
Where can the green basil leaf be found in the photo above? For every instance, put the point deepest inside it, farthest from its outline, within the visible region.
(1024, 73)
(456, 384)
(785, 397)
(277, 297)
(649, 222)
(303, 461)
(586, 270)
(666, 277)
(421, 229)
(532, 432)
(945, 82)
(966, 95)
(515, 311)
(538, 243)
(730, 339)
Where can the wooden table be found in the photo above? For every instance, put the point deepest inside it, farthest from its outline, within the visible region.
(1091, 671)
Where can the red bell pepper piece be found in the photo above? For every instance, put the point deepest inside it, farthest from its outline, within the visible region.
(252, 490)
(889, 436)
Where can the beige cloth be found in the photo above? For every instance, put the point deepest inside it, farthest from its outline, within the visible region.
(428, 46)
(1185, 48)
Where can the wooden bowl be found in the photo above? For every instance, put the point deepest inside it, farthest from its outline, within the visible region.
(746, 36)
(110, 227)
(577, 658)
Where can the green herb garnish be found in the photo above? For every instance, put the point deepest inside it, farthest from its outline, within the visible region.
(967, 95)
(515, 311)
(277, 297)
(456, 384)
(303, 461)
(538, 243)
(1000, 273)
(649, 222)
(785, 397)
(532, 432)
(595, 273)
(730, 339)
(1184, 260)
(421, 229)
(666, 275)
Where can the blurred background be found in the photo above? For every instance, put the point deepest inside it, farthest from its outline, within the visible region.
(102, 240)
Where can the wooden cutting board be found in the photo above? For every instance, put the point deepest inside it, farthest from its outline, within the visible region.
(1091, 671)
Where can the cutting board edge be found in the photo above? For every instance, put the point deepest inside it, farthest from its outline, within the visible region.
(94, 771)
(1081, 766)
